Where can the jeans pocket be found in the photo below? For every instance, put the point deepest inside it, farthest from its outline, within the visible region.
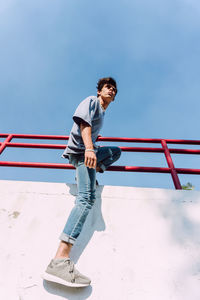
(80, 160)
(76, 159)
(72, 160)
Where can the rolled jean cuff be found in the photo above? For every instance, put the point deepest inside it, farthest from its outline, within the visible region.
(66, 238)
(102, 166)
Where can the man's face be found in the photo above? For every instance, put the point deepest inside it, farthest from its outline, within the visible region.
(107, 92)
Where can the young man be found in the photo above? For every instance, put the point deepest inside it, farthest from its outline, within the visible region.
(87, 159)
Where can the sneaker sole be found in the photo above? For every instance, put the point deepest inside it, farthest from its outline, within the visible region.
(52, 278)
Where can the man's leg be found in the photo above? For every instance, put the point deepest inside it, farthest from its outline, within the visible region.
(106, 156)
(63, 251)
(86, 186)
(86, 195)
(61, 269)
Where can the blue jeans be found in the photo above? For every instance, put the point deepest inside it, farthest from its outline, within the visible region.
(86, 185)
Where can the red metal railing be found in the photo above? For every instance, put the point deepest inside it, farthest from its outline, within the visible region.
(163, 142)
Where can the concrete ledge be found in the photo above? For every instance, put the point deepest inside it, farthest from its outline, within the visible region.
(137, 243)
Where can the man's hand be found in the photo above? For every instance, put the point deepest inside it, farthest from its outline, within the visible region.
(90, 159)
(90, 156)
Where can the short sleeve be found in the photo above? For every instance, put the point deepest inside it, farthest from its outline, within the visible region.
(85, 111)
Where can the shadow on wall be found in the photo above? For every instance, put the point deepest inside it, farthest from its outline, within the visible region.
(94, 222)
(67, 292)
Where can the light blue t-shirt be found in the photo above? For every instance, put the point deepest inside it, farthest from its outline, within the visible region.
(89, 111)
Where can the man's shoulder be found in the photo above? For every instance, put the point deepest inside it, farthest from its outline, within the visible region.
(92, 99)
(88, 106)
(90, 102)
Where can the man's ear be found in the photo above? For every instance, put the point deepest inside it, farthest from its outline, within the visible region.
(98, 93)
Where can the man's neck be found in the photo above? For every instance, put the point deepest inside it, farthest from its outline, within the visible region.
(104, 104)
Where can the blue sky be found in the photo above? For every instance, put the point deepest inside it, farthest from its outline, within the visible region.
(52, 54)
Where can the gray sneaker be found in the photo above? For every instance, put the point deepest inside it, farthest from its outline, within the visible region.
(64, 272)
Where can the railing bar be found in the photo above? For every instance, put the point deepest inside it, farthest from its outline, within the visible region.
(113, 168)
(113, 139)
(125, 149)
(184, 151)
(139, 169)
(141, 140)
(35, 165)
(183, 142)
(128, 140)
(187, 171)
(28, 145)
(3, 135)
(62, 146)
(68, 166)
(38, 136)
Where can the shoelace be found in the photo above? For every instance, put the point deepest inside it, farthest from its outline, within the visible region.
(71, 269)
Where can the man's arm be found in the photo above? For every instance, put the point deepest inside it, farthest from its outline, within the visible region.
(90, 156)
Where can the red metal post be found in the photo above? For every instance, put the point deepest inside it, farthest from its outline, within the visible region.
(170, 163)
(4, 144)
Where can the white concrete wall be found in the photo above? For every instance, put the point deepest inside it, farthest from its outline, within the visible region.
(137, 243)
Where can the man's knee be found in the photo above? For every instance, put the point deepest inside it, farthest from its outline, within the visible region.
(117, 152)
(86, 199)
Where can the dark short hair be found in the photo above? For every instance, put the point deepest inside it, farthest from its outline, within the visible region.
(106, 80)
